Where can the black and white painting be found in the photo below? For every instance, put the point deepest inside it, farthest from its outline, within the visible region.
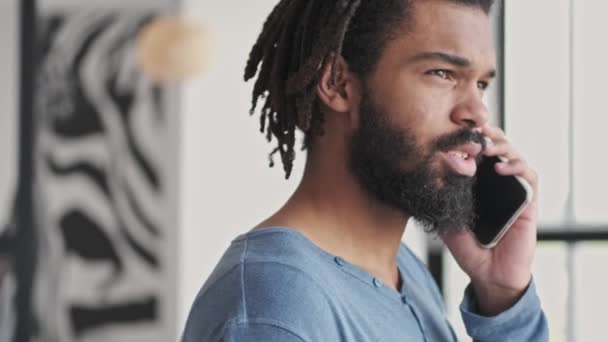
(9, 114)
(105, 184)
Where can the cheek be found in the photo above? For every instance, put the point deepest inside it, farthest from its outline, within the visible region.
(424, 125)
(432, 120)
(423, 109)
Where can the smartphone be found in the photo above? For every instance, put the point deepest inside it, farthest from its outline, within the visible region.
(499, 200)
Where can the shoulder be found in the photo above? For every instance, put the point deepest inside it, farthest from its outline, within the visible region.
(261, 285)
(260, 330)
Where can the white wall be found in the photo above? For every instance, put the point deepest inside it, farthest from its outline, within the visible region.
(590, 53)
(537, 96)
(9, 73)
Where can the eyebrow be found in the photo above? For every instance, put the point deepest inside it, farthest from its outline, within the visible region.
(450, 59)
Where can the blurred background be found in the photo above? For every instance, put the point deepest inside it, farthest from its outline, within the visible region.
(129, 161)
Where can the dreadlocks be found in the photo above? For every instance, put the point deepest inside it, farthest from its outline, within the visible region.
(298, 39)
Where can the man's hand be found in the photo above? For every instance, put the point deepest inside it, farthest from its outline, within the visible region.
(501, 275)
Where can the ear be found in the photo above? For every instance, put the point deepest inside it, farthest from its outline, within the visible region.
(340, 93)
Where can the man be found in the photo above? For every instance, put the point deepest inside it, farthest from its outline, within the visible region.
(389, 96)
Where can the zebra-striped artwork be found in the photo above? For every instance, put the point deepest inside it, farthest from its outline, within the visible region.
(105, 185)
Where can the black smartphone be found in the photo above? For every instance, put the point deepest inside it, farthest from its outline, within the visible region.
(499, 200)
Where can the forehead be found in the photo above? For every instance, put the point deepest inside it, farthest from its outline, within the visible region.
(450, 27)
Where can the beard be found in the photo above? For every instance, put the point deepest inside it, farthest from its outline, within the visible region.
(439, 200)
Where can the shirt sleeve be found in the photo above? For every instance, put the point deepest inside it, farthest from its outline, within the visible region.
(259, 331)
(524, 321)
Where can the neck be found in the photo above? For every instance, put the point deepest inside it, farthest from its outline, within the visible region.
(334, 212)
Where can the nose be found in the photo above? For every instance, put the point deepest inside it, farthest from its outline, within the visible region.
(471, 112)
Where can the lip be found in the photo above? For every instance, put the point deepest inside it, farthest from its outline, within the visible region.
(461, 166)
(472, 149)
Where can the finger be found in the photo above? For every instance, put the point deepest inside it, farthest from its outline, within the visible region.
(493, 132)
(503, 149)
(513, 167)
(518, 167)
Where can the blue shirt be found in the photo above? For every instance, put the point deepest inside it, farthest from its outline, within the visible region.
(276, 285)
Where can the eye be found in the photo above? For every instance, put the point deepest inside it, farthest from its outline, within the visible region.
(482, 85)
(442, 73)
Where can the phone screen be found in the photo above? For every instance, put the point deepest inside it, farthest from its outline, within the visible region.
(497, 199)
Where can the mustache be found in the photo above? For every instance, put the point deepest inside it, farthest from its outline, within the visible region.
(464, 136)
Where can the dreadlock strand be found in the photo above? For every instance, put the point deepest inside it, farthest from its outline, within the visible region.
(311, 66)
(263, 118)
(269, 54)
(307, 17)
(269, 130)
(304, 104)
(289, 136)
(264, 114)
(299, 38)
(304, 110)
(266, 55)
(343, 28)
(261, 84)
(270, 25)
(279, 73)
(289, 155)
(270, 156)
(300, 102)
